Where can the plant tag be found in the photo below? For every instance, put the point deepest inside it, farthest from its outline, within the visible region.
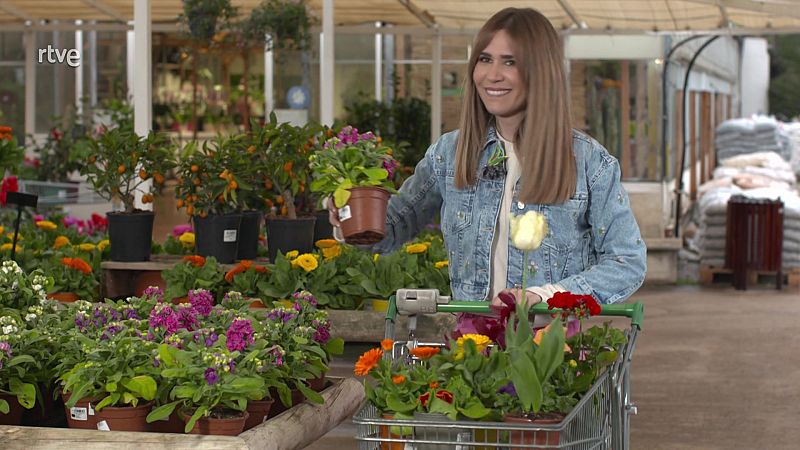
(265, 418)
(78, 413)
(229, 236)
(103, 426)
(410, 446)
(91, 409)
(344, 213)
(463, 437)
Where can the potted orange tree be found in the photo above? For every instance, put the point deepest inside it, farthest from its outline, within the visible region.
(281, 170)
(356, 170)
(119, 163)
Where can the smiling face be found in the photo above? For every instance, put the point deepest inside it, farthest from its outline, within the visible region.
(499, 83)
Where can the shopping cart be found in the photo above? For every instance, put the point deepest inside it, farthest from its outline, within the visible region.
(600, 420)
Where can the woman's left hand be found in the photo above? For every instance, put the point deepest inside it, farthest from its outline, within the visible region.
(530, 298)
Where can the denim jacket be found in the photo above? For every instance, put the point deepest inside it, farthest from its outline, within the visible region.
(593, 247)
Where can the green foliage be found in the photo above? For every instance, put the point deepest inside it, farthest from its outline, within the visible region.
(11, 153)
(186, 276)
(287, 21)
(785, 76)
(204, 17)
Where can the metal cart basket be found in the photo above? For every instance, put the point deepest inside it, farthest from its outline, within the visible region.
(600, 420)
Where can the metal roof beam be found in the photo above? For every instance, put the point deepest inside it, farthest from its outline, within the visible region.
(105, 9)
(5, 6)
(783, 9)
(423, 15)
(572, 14)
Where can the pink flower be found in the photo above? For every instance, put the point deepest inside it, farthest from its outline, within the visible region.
(180, 229)
(239, 335)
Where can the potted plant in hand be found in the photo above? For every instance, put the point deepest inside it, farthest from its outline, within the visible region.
(283, 154)
(194, 272)
(120, 164)
(356, 170)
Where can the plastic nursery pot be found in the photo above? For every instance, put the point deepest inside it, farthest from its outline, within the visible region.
(385, 433)
(289, 234)
(126, 418)
(256, 303)
(147, 278)
(64, 297)
(248, 235)
(363, 217)
(82, 415)
(548, 438)
(322, 227)
(278, 407)
(179, 300)
(258, 411)
(217, 235)
(228, 426)
(130, 235)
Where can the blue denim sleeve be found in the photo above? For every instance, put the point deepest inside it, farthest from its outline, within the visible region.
(621, 254)
(415, 205)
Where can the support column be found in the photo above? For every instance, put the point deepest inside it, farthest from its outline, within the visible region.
(436, 88)
(269, 78)
(129, 61)
(93, 67)
(30, 83)
(142, 84)
(326, 64)
(378, 63)
(79, 71)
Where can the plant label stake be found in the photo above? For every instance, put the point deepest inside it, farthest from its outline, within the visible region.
(22, 200)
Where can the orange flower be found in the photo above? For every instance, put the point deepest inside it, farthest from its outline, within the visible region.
(433, 385)
(243, 266)
(197, 261)
(288, 167)
(77, 264)
(260, 269)
(5, 129)
(397, 379)
(387, 345)
(367, 362)
(424, 352)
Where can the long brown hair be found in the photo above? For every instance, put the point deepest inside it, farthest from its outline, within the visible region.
(544, 139)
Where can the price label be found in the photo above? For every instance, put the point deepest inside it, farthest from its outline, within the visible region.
(78, 413)
(344, 213)
(229, 236)
(103, 426)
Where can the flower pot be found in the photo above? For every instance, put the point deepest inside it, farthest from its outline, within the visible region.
(317, 384)
(548, 438)
(126, 418)
(232, 426)
(248, 235)
(217, 235)
(289, 234)
(64, 297)
(363, 217)
(436, 433)
(385, 433)
(15, 410)
(172, 424)
(258, 411)
(47, 413)
(322, 227)
(278, 407)
(147, 278)
(130, 235)
(256, 303)
(82, 415)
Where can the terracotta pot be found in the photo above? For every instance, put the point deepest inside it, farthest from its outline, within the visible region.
(126, 418)
(258, 411)
(278, 407)
(542, 437)
(14, 416)
(82, 415)
(173, 424)
(179, 300)
(384, 433)
(257, 304)
(317, 384)
(218, 427)
(366, 209)
(147, 278)
(64, 297)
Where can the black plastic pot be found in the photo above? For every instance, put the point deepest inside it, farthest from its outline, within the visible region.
(290, 234)
(130, 235)
(217, 235)
(248, 235)
(322, 227)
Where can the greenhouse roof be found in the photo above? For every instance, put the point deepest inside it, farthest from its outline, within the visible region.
(590, 15)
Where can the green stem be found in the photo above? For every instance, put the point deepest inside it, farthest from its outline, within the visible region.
(524, 274)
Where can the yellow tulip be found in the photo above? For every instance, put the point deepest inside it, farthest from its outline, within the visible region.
(528, 230)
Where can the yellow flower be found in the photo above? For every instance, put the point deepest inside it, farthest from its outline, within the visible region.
(292, 254)
(60, 242)
(7, 247)
(481, 341)
(46, 225)
(326, 243)
(306, 261)
(441, 264)
(103, 244)
(375, 257)
(528, 230)
(187, 239)
(573, 363)
(10, 236)
(537, 339)
(2, 229)
(87, 247)
(331, 252)
(416, 248)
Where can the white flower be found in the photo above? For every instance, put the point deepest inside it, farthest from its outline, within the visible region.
(528, 230)
(30, 317)
(37, 287)
(9, 329)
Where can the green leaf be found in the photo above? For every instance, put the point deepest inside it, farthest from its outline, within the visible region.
(605, 358)
(165, 354)
(310, 394)
(526, 383)
(129, 399)
(109, 400)
(475, 410)
(173, 373)
(25, 392)
(197, 415)
(396, 404)
(438, 405)
(376, 173)
(162, 412)
(4, 408)
(335, 346)
(550, 353)
(111, 387)
(143, 386)
(184, 391)
(246, 384)
(340, 197)
(21, 359)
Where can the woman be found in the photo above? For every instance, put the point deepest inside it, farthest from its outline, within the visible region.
(517, 152)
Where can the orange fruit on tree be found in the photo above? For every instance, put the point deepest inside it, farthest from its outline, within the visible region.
(279, 199)
(203, 214)
(196, 181)
(195, 168)
(190, 210)
(284, 210)
(233, 184)
(158, 178)
(223, 175)
(121, 169)
(251, 149)
(143, 174)
(180, 203)
(221, 198)
(92, 159)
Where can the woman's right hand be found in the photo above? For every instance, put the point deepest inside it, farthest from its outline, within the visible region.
(333, 212)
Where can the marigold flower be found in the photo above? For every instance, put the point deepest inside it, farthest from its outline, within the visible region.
(398, 379)
(424, 352)
(10, 236)
(233, 272)
(260, 269)
(187, 239)
(307, 262)
(292, 254)
(77, 264)
(537, 338)
(441, 264)
(481, 341)
(367, 362)
(7, 247)
(60, 242)
(416, 248)
(325, 243)
(387, 345)
(2, 228)
(46, 225)
(330, 253)
(103, 244)
(195, 260)
(87, 247)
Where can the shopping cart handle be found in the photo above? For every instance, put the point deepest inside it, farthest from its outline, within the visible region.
(634, 311)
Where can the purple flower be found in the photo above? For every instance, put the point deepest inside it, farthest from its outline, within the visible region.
(162, 316)
(211, 339)
(155, 292)
(156, 362)
(180, 229)
(211, 376)
(82, 321)
(239, 334)
(281, 314)
(508, 389)
(187, 317)
(130, 313)
(322, 335)
(201, 300)
(305, 296)
(390, 165)
(5, 347)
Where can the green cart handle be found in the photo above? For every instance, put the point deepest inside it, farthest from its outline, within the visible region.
(634, 311)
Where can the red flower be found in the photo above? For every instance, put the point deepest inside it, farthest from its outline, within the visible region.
(576, 304)
(10, 184)
(424, 399)
(445, 395)
(56, 134)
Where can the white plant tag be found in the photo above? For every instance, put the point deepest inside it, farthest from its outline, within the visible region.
(91, 409)
(229, 236)
(103, 426)
(344, 213)
(410, 446)
(78, 413)
(463, 437)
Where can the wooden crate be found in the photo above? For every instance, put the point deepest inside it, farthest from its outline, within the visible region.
(712, 275)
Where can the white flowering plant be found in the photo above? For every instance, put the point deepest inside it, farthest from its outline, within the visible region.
(20, 290)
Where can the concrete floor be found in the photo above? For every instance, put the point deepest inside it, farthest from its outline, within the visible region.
(714, 368)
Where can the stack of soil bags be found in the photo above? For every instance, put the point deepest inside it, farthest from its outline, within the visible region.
(742, 136)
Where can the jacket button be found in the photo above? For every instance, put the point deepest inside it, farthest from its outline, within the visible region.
(520, 205)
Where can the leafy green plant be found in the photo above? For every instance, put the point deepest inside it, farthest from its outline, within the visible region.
(382, 276)
(244, 278)
(75, 275)
(11, 153)
(204, 17)
(194, 272)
